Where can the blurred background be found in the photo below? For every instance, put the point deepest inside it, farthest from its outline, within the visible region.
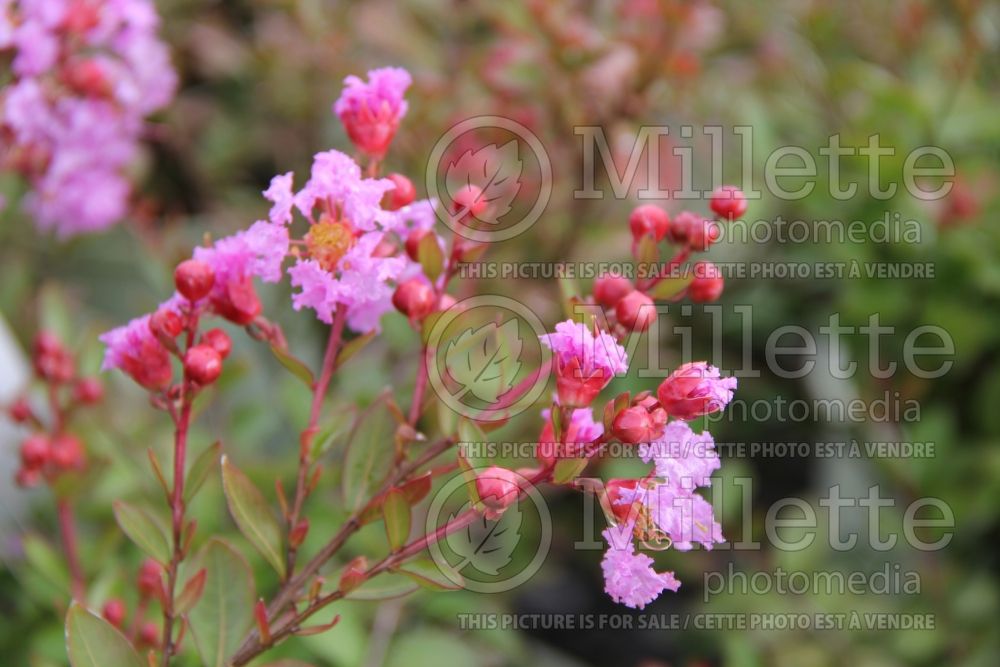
(258, 81)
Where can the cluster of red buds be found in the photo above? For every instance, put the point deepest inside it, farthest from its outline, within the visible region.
(149, 585)
(630, 305)
(50, 449)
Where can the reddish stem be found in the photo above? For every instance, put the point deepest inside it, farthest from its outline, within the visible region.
(67, 529)
(678, 259)
(306, 438)
(177, 513)
(419, 388)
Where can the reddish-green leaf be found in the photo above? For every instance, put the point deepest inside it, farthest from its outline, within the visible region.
(253, 516)
(396, 512)
(191, 593)
(143, 528)
(295, 366)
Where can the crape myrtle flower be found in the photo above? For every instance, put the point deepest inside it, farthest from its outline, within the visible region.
(371, 110)
(585, 362)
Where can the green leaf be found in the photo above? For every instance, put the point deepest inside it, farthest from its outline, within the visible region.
(93, 642)
(567, 470)
(430, 574)
(353, 346)
(369, 453)
(383, 587)
(430, 257)
(191, 593)
(669, 288)
(296, 366)
(143, 528)
(336, 427)
(46, 561)
(253, 516)
(396, 511)
(200, 470)
(225, 611)
(648, 252)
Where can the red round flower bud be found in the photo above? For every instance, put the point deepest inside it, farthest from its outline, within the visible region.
(20, 411)
(635, 311)
(680, 224)
(634, 425)
(149, 634)
(498, 489)
(218, 340)
(702, 234)
(402, 195)
(27, 477)
(114, 612)
(194, 279)
(46, 343)
(66, 452)
(88, 391)
(707, 284)
(414, 298)
(150, 578)
(468, 200)
(610, 289)
(35, 451)
(238, 302)
(412, 244)
(728, 202)
(165, 323)
(203, 364)
(648, 220)
(50, 358)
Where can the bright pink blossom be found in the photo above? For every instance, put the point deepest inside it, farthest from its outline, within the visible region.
(134, 349)
(371, 111)
(695, 389)
(585, 363)
(581, 431)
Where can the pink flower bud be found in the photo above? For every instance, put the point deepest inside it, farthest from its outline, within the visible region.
(218, 340)
(402, 195)
(648, 220)
(166, 324)
(468, 201)
(679, 225)
(707, 284)
(610, 289)
(52, 361)
(149, 634)
(634, 425)
(498, 489)
(35, 451)
(636, 311)
(728, 202)
(202, 364)
(114, 612)
(67, 452)
(20, 411)
(194, 279)
(695, 389)
(414, 298)
(238, 301)
(88, 391)
(702, 234)
(149, 580)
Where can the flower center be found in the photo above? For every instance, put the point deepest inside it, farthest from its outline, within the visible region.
(328, 241)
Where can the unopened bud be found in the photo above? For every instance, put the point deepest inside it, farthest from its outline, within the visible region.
(609, 289)
(648, 220)
(414, 298)
(218, 340)
(402, 195)
(498, 489)
(202, 364)
(194, 279)
(708, 283)
(635, 311)
(728, 202)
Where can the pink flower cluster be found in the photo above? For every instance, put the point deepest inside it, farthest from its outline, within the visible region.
(585, 361)
(86, 74)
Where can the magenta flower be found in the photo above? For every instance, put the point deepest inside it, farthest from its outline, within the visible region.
(581, 431)
(629, 578)
(371, 111)
(281, 195)
(585, 363)
(134, 350)
(695, 389)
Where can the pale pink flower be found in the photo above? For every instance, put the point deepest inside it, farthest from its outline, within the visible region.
(681, 456)
(629, 577)
(281, 195)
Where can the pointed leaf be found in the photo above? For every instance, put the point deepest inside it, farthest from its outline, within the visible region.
(396, 512)
(225, 611)
(296, 366)
(429, 574)
(200, 470)
(369, 454)
(93, 642)
(669, 288)
(429, 256)
(143, 528)
(46, 561)
(387, 586)
(191, 593)
(353, 346)
(252, 514)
